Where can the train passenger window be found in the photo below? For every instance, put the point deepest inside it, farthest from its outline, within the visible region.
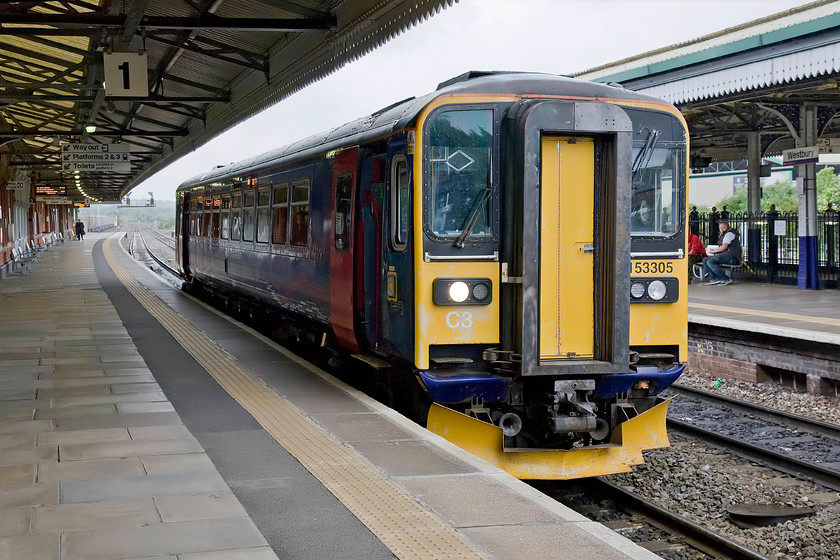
(225, 230)
(208, 210)
(460, 147)
(281, 214)
(656, 210)
(214, 227)
(343, 212)
(300, 213)
(263, 212)
(248, 216)
(236, 216)
(399, 202)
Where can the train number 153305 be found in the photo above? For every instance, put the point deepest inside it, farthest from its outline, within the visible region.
(648, 267)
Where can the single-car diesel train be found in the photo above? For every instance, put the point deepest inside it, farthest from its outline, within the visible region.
(509, 248)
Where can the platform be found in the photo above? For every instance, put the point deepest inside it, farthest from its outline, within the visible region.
(136, 422)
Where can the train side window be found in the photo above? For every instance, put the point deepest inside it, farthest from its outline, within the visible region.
(217, 206)
(281, 214)
(263, 213)
(193, 206)
(236, 216)
(399, 202)
(225, 233)
(248, 216)
(300, 213)
(208, 210)
(343, 212)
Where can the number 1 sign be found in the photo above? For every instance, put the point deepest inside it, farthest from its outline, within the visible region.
(126, 74)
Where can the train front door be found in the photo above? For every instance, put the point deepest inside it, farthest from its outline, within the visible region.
(566, 249)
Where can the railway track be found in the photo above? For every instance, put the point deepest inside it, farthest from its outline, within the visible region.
(783, 441)
(661, 531)
(153, 246)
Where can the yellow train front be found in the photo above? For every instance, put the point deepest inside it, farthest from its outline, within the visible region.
(549, 270)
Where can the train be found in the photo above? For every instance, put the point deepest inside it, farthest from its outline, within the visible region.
(508, 253)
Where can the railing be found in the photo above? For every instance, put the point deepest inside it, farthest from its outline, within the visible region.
(771, 244)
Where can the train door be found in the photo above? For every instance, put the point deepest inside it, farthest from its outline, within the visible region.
(182, 228)
(369, 250)
(566, 249)
(342, 279)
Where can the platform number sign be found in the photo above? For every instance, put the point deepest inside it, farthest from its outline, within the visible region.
(126, 74)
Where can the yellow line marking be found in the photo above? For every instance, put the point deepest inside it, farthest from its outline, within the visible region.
(406, 528)
(761, 313)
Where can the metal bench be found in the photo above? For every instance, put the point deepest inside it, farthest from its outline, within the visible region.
(700, 274)
(22, 260)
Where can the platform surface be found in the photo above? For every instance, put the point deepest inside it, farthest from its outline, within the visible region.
(136, 422)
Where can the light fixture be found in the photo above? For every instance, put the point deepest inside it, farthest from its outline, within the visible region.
(90, 129)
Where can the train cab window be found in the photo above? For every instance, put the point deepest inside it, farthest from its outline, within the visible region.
(236, 216)
(460, 144)
(248, 216)
(263, 213)
(214, 226)
(343, 223)
(655, 209)
(300, 213)
(281, 214)
(399, 203)
(225, 229)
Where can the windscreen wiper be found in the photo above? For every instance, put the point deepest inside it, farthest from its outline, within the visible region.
(479, 205)
(644, 155)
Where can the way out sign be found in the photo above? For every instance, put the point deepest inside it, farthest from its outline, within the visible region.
(126, 74)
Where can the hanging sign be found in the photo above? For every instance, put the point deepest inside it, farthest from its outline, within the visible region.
(801, 156)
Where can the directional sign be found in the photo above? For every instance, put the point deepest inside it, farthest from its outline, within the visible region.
(54, 199)
(87, 148)
(801, 156)
(118, 167)
(72, 157)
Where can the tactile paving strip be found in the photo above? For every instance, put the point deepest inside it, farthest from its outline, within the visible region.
(406, 528)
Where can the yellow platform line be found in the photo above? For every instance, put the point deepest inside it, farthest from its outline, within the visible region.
(762, 313)
(406, 528)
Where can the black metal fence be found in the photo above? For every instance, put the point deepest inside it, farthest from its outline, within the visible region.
(771, 244)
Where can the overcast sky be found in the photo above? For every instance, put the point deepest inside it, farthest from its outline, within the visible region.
(553, 36)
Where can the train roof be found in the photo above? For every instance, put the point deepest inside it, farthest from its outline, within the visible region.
(404, 113)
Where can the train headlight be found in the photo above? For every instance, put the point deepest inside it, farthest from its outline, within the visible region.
(656, 290)
(458, 292)
(462, 291)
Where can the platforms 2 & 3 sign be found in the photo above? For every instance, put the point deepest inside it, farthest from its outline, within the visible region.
(96, 157)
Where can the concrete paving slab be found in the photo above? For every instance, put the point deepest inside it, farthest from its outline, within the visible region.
(199, 506)
(117, 421)
(362, 427)
(76, 452)
(172, 464)
(11, 457)
(79, 491)
(101, 379)
(82, 470)
(29, 495)
(42, 547)
(17, 394)
(517, 542)
(135, 388)
(14, 521)
(17, 474)
(65, 392)
(29, 426)
(160, 432)
(94, 516)
(17, 441)
(86, 401)
(401, 458)
(83, 436)
(177, 538)
(76, 412)
(22, 413)
(150, 407)
(259, 553)
(71, 373)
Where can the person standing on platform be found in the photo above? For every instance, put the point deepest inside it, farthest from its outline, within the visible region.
(80, 230)
(713, 226)
(728, 252)
(694, 221)
(724, 213)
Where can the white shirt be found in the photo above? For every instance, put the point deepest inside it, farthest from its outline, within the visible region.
(728, 237)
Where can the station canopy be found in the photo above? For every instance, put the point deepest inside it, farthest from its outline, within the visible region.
(159, 78)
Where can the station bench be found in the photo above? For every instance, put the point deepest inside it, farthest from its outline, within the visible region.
(700, 274)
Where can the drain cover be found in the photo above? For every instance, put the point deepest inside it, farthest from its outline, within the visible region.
(747, 516)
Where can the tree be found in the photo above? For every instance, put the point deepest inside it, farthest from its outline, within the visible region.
(828, 188)
(782, 194)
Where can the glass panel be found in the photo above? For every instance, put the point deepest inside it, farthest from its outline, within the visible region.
(217, 205)
(281, 214)
(399, 204)
(656, 196)
(236, 217)
(300, 213)
(263, 224)
(343, 212)
(460, 146)
(225, 232)
(248, 223)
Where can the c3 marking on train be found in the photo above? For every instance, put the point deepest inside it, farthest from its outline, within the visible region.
(455, 319)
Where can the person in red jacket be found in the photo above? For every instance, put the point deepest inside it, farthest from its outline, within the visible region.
(696, 253)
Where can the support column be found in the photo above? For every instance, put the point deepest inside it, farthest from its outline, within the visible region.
(808, 277)
(753, 195)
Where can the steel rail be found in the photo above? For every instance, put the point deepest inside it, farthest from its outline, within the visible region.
(695, 535)
(826, 477)
(763, 412)
(151, 253)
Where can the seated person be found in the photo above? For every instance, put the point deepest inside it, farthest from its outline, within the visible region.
(696, 252)
(728, 252)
